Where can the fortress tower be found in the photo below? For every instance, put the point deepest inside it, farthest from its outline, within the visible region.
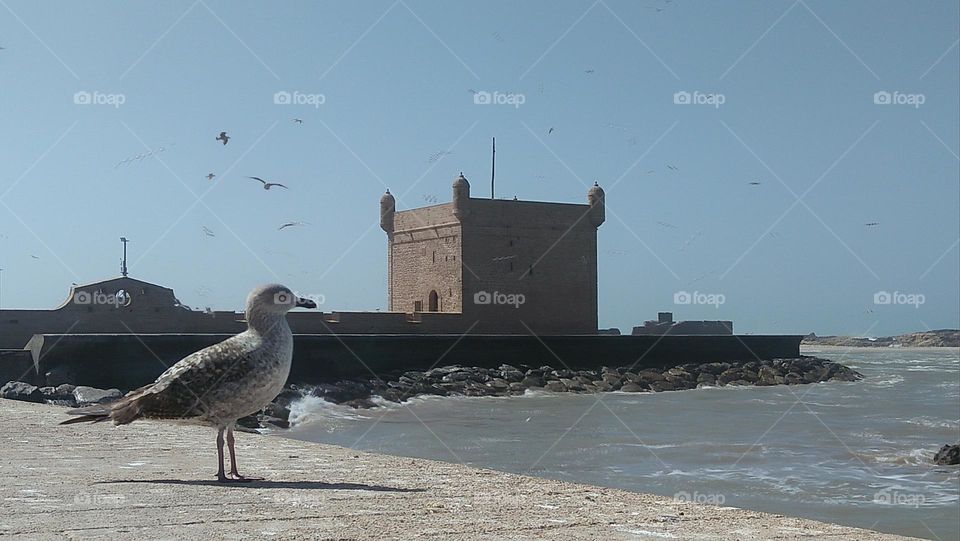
(507, 266)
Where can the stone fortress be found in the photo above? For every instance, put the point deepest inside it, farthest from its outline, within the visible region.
(505, 266)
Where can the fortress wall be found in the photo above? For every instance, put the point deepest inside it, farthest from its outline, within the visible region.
(425, 260)
(546, 252)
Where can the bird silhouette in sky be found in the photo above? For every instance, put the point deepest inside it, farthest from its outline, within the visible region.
(268, 185)
(291, 224)
(296, 121)
(223, 137)
(210, 176)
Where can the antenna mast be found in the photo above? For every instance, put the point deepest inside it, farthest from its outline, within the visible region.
(493, 166)
(123, 262)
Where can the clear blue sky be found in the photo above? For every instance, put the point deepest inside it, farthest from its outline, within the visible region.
(797, 81)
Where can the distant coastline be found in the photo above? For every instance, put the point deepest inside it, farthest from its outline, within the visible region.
(923, 339)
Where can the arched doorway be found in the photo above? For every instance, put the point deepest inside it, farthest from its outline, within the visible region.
(434, 303)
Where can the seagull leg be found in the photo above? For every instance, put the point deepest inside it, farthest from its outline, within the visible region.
(234, 474)
(220, 474)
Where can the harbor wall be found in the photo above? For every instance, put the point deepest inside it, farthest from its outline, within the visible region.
(126, 361)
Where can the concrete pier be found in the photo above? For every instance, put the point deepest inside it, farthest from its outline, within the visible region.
(151, 480)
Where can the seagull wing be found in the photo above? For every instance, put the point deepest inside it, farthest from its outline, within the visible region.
(182, 392)
(260, 179)
(276, 184)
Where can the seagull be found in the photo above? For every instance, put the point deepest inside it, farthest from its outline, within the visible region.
(223, 137)
(672, 167)
(291, 224)
(549, 131)
(208, 232)
(210, 176)
(755, 183)
(296, 121)
(589, 72)
(268, 185)
(871, 224)
(33, 256)
(221, 383)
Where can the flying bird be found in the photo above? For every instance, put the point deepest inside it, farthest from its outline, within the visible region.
(296, 121)
(755, 183)
(871, 224)
(223, 137)
(208, 232)
(268, 185)
(33, 256)
(673, 167)
(589, 72)
(549, 131)
(210, 176)
(291, 224)
(219, 384)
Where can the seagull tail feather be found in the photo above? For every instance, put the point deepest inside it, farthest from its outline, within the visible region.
(123, 411)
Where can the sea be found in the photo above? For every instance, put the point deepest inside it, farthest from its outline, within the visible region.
(857, 453)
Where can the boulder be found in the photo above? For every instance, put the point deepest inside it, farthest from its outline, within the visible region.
(572, 384)
(91, 395)
(632, 388)
(556, 387)
(18, 390)
(728, 375)
(767, 376)
(948, 455)
(532, 382)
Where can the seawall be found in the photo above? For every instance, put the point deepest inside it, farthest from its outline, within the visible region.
(155, 481)
(126, 361)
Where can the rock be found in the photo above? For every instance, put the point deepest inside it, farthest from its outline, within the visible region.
(731, 374)
(555, 387)
(767, 376)
(793, 378)
(706, 378)
(649, 376)
(277, 411)
(602, 386)
(659, 386)
(715, 368)
(18, 390)
(612, 378)
(457, 376)
(91, 395)
(532, 381)
(571, 384)
(632, 388)
(948, 455)
(360, 403)
(250, 421)
(517, 387)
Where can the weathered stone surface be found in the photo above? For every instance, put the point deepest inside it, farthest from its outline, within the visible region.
(556, 387)
(632, 388)
(317, 491)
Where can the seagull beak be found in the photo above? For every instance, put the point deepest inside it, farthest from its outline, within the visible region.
(305, 303)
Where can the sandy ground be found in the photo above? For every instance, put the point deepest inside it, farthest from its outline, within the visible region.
(156, 481)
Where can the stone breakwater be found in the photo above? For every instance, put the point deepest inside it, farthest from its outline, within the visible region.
(503, 381)
(513, 380)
